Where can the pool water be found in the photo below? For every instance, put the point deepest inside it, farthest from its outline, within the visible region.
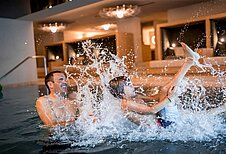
(19, 121)
(20, 132)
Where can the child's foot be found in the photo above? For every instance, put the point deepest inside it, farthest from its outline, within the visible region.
(190, 53)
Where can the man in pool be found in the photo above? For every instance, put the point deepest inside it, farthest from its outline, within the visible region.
(122, 88)
(56, 108)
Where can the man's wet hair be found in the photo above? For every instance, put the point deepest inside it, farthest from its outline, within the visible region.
(116, 86)
(49, 78)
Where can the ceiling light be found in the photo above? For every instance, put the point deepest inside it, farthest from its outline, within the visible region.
(173, 45)
(106, 27)
(53, 27)
(222, 39)
(120, 11)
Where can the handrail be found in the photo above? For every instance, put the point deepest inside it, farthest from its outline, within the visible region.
(33, 57)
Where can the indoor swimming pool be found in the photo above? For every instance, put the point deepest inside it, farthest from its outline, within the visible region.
(196, 129)
(21, 132)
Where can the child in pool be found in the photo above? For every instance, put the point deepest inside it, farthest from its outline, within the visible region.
(122, 88)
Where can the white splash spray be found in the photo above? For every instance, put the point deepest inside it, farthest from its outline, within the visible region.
(111, 126)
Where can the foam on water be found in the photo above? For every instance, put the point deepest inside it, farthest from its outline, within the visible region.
(108, 123)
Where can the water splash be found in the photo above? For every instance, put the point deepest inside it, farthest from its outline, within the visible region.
(112, 127)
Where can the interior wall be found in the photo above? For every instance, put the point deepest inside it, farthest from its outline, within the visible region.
(197, 10)
(78, 36)
(133, 25)
(43, 39)
(17, 43)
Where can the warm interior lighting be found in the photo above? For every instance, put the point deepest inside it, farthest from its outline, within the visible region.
(173, 45)
(53, 27)
(106, 26)
(57, 57)
(90, 34)
(120, 11)
(153, 40)
(222, 39)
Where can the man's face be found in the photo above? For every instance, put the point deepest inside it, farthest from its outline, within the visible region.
(60, 84)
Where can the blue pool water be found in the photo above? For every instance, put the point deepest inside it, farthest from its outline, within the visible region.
(19, 121)
(20, 132)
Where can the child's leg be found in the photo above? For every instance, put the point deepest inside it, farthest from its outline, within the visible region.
(192, 57)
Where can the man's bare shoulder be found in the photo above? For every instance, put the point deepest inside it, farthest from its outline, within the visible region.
(42, 99)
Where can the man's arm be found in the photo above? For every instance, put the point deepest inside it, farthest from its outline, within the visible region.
(44, 113)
